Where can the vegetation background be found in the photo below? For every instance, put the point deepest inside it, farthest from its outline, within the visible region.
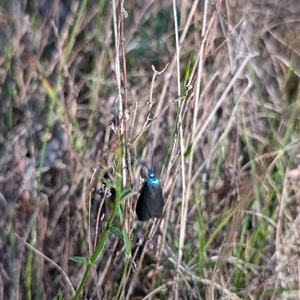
(214, 85)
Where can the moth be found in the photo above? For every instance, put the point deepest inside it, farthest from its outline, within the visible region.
(150, 202)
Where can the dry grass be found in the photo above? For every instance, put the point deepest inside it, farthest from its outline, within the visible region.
(222, 106)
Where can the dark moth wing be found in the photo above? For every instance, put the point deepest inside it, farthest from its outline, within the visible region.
(142, 211)
(150, 203)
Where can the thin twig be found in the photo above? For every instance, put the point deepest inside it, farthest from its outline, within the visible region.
(54, 264)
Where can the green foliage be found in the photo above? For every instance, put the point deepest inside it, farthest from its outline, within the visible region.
(116, 231)
(81, 260)
(188, 151)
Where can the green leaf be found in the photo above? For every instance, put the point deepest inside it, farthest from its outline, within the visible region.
(59, 295)
(107, 182)
(187, 72)
(188, 151)
(126, 191)
(80, 259)
(116, 231)
(121, 212)
(127, 244)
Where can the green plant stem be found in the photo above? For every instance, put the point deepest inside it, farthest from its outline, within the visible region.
(123, 277)
(100, 245)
